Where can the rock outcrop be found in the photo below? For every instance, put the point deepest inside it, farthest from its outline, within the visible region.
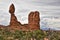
(14, 23)
(33, 21)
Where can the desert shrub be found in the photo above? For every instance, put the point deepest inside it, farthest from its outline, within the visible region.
(5, 34)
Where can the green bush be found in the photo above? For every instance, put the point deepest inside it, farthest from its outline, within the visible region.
(22, 35)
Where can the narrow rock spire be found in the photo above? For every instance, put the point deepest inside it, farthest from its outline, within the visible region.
(13, 20)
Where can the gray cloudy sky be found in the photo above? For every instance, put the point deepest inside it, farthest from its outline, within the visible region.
(23, 7)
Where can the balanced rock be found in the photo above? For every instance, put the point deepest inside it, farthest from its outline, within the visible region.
(13, 21)
(33, 21)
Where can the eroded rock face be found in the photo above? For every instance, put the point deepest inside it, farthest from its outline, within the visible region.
(34, 20)
(14, 23)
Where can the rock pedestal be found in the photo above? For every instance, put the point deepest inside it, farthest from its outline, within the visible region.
(13, 21)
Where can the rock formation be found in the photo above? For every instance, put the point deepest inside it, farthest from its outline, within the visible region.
(33, 21)
(13, 21)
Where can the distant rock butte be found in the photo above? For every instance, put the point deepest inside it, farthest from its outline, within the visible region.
(33, 21)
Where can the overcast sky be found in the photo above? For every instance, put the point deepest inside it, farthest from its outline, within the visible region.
(47, 8)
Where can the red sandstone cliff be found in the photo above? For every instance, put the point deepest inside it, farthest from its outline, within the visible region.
(33, 21)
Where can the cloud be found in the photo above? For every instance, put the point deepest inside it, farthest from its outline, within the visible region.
(23, 10)
(44, 2)
(48, 8)
(48, 22)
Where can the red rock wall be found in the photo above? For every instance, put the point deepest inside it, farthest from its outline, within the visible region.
(33, 21)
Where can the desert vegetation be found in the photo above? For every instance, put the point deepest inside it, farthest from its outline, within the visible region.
(6, 34)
